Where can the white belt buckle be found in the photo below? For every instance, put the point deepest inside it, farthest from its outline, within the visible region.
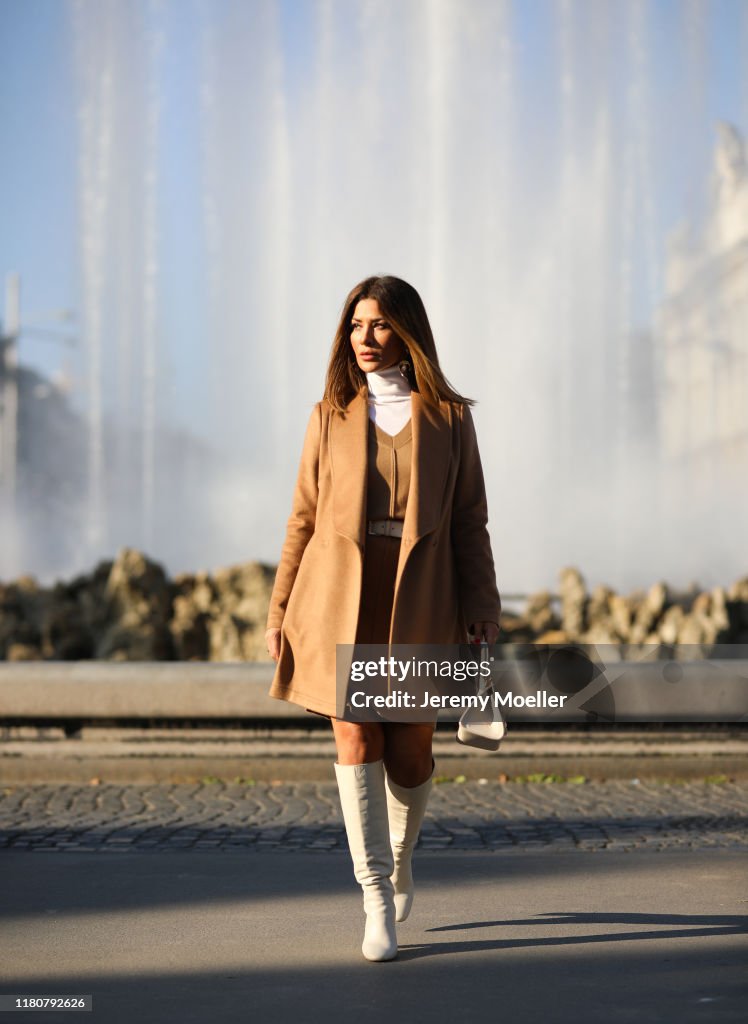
(386, 527)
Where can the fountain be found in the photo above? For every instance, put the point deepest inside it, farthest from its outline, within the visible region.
(241, 165)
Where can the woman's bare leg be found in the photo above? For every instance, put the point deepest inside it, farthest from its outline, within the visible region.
(358, 742)
(407, 752)
(405, 747)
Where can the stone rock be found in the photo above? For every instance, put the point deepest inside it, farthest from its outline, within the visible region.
(137, 585)
(573, 600)
(718, 610)
(691, 630)
(237, 632)
(222, 617)
(620, 611)
(136, 612)
(23, 652)
(601, 632)
(670, 625)
(554, 636)
(539, 614)
(14, 630)
(131, 639)
(189, 630)
(66, 632)
(648, 613)
(598, 605)
(738, 591)
(515, 629)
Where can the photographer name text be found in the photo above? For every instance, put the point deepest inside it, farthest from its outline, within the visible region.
(405, 699)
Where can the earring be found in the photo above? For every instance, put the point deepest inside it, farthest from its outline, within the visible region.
(405, 366)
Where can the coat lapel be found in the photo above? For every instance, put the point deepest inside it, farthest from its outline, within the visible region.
(348, 452)
(428, 473)
(431, 453)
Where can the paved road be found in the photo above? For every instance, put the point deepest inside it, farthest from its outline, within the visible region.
(552, 937)
(558, 903)
(516, 817)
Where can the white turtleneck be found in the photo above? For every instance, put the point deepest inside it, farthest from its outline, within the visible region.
(389, 399)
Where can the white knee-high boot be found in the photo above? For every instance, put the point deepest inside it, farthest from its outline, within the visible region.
(406, 807)
(364, 804)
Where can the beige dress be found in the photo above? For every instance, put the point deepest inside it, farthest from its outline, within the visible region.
(388, 481)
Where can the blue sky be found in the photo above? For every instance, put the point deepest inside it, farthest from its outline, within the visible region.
(38, 174)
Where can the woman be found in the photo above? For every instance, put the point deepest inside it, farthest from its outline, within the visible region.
(386, 543)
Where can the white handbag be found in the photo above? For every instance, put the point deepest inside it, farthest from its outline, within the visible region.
(479, 728)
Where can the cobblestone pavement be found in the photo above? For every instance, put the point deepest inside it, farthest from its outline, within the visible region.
(620, 815)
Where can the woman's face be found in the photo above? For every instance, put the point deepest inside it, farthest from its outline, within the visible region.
(375, 344)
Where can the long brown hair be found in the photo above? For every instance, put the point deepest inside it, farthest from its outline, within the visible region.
(403, 308)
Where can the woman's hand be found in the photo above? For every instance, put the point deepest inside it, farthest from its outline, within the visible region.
(489, 630)
(273, 643)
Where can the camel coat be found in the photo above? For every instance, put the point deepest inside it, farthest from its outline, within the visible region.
(445, 574)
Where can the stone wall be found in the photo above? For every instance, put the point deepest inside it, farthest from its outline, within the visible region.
(129, 610)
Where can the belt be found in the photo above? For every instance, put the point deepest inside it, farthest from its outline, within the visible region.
(386, 527)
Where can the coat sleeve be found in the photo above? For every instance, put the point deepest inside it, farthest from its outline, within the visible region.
(479, 596)
(301, 522)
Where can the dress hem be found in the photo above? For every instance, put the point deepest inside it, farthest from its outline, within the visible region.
(307, 702)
